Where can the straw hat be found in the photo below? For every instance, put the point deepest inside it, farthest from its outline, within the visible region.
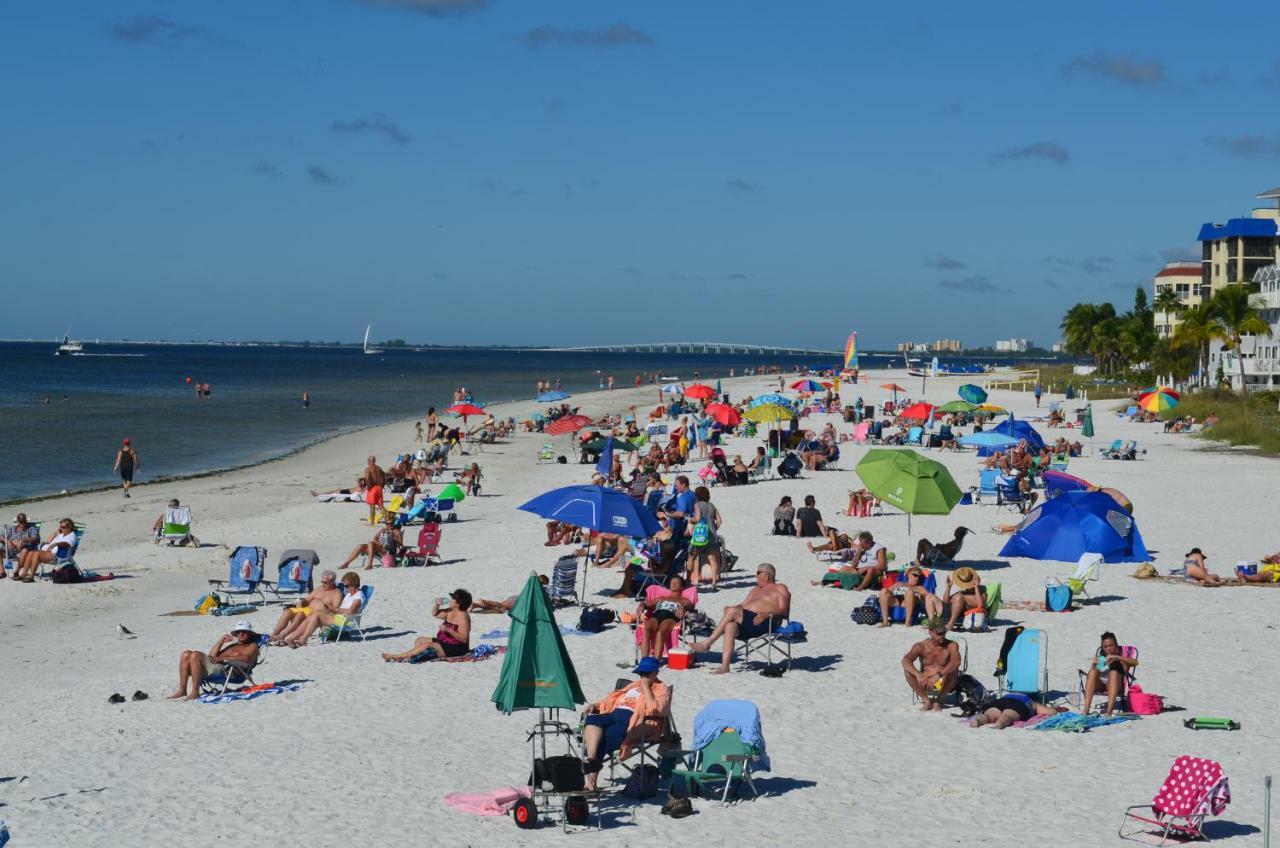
(964, 578)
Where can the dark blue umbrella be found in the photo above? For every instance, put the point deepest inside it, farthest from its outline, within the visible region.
(1015, 429)
(552, 397)
(1076, 523)
(605, 463)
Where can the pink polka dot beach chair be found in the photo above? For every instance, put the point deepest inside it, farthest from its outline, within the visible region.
(1194, 789)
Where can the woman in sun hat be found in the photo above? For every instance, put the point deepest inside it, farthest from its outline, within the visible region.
(238, 648)
(623, 717)
(964, 592)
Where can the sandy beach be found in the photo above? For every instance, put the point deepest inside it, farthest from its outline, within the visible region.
(363, 751)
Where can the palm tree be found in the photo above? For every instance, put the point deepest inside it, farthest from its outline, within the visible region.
(1195, 333)
(1167, 303)
(1235, 314)
(1079, 326)
(1175, 361)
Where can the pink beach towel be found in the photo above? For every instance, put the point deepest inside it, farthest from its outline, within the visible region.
(499, 802)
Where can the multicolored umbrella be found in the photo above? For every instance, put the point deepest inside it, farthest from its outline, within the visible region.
(1165, 389)
(568, 424)
(1157, 402)
(700, 391)
(807, 385)
(673, 389)
(972, 393)
(724, 413)
(767, 413)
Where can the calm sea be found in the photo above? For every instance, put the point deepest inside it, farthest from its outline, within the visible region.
(256, 412)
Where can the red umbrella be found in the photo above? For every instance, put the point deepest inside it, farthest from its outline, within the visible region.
(724, 413)
(700, 391)
(568, 424)
(921, 411)
(465, 409)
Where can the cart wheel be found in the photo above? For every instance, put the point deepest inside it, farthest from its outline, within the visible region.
(525, 814)
(576, 810)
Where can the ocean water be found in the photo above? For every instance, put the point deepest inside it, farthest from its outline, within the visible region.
(140, 391)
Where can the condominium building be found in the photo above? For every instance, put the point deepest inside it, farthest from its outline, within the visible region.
(947, 346)
(1233, 252)
(1185, 280)
(1261, 354)
(1012, 345)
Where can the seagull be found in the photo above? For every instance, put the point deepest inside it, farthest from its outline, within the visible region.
(126, 633)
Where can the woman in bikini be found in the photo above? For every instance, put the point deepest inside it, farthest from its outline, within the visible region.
(453, 639)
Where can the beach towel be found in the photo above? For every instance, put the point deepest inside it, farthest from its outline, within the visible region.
(1030, 606)
(477, 654)
(1076, 723)
(742, 716)
(250, 693)
(565, 630)
(499, 802)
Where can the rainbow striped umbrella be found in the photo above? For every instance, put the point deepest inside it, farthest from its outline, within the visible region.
(1157, 401)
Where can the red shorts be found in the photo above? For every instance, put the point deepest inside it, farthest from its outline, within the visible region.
(373, 496)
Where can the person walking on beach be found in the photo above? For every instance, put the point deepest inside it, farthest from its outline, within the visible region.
(375, 478)
(433, 423)
(126, 463)
(1039, 390)
(306, 399)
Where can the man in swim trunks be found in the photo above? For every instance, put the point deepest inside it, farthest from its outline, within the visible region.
(939, 666)
(769, 602)
(126, 463)
(327, 596)
(238, 648)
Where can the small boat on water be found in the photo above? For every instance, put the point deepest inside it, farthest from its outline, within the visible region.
(367, 349)
(69, 347)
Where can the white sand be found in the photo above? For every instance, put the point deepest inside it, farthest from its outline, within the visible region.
(363, 753)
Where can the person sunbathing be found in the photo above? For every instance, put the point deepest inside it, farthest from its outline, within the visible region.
(908, 593)
(927, 553)
(964, 592)
(355, 494)
(665, 610)
(932, 666)
(324, 614)
(765, 606)
(836, 541)
(868, 559)
(453, 639)
(621, 719)
(1196, 571)
(239, 648)
(1009, 708)
(482, 605)
(387, 541)
(1107, 670)
(327, 595)
(1268, 571)
(60, 547)
(158, 528)
(20, 538)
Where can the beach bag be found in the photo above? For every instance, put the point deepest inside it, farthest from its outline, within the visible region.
(643, 783)
(594, 619)
(564, 773)
(66, 573)
(697, 623)
(790, 466)
(868, 613)
(207, 604)
(1144, 703)
(1057, 597)
(971, 694)
(701, 535)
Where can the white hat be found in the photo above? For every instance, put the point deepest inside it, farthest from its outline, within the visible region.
(244, 626)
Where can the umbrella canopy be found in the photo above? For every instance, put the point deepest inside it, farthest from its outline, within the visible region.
(672, 389)
(1087, 429)
(1076, 523)
(767, 413)
(772, 397)
(596, 508)
(552, 396)
(921, 411)
(1163, 390)
(807, 386)
(724, 413)
(958, 406)
(1020, 430)
(1157, 402)
(465, 409)
(972, 393)
(452, 492)
(908, 481)
(597, 445)
(537, 672)
(1057, 482)
(568, 424)
(893, 387)
(992, 409)
(988, 439)
(700, 391)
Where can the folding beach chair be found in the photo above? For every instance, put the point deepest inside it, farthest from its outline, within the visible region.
(294, 579)
(547, 453)
(245, 577)
(988, 488)
(428, 545)
(1194, 789)
(1088, 570)
(1009, 495)
(1026, 668)
(352, 624)
(1082, 676)
(62, 556)
(779, 638)
(914, 436)
(673, 639)
(237, 672)
(1112, 451)
(564, 581)
(898, 614)
(177, 526)
(963, 644)
(724, 761)
(652, 750)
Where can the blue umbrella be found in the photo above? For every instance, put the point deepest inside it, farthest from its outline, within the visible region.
(605, 463)
(988, 439)
(1017, 430)
(552, 397)
(672, 389)
(972, 393)
(772, 397)
(1076, 523)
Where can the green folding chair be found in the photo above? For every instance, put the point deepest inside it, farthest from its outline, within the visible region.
(724, 760)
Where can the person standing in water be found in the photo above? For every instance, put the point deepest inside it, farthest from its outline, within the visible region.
(306, 399)
(126, 463)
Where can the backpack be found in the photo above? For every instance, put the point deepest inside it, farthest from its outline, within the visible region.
(701, 535)
(643, 783)
(66, 573)
(594, 619)
(971, 694)
(1057, 597)
(790, 466)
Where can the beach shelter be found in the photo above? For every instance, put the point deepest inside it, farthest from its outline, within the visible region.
(988, 440)
(724, 413)
(1087, 429)
(1016, 429)
(452, 492)
(972, 393)
(700, 391)
(537, 672)
(958, 406)
(1157, 401)
(920, 411)
(808, 385)
(567, 424)
(1057, 482)
(905, 479)
(1076, 523)
(552, 396)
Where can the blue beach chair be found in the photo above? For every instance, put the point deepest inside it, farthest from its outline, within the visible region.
(245, 575)
(987, 485)
(914, 435)
(1026, 669)
(295, 574)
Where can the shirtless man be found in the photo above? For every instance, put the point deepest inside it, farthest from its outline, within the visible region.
(239, 647)
(327, 596)
(768, 600)
(939, 660)
(868, 559)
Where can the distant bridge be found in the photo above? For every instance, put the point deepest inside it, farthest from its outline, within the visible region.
(729, 348)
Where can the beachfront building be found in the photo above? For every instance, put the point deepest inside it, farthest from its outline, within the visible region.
(947, 346)
(1261, 353)
(1012, 345)
(1185, 279)
(1233, 252)
(913, 347)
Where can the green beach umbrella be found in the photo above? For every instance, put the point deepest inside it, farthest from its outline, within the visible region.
(536, 670)
(1087, 430)
(958, 406)
(597, 445)
(452, 492)
(913, 484)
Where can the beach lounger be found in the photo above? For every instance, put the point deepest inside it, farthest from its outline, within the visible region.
(1026, 667)
(237, 672)
(564, 581)
(177, 526)
(294, 575)
(723, 764)
(428, 546)
(1195, 789)
(245, 578)
(1088, 570)
(352, 625)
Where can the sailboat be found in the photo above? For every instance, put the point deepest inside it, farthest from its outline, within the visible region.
(69, 347)
(367, 349)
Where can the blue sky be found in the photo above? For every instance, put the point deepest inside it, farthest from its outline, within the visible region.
(503, 171)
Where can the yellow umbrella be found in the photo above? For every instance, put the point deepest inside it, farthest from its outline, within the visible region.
(767, 413)
(991, 408)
